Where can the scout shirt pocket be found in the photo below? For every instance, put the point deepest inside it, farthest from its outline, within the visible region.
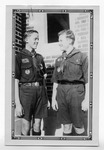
(75, 61)
(74, 66)
(26, 70)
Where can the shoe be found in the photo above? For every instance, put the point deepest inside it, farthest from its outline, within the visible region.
(67, 134)
(36, 133)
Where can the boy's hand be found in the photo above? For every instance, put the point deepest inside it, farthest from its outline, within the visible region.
(54, 105)
(19, 110)
(48, 105)
(84, 105)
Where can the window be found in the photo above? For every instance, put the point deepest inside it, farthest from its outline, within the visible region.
(56, 23)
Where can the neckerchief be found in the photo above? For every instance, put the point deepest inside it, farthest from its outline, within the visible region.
(33, 53)
(62, 64)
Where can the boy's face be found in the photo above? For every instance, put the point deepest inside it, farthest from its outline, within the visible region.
(32, 40)
(64, 42)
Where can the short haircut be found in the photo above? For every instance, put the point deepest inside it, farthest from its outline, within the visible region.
(69, 34)
(28, 33)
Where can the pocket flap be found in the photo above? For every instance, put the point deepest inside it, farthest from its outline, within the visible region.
(26, 65)
(76, 61)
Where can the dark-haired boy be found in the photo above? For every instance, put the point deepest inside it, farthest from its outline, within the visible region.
(30, 71)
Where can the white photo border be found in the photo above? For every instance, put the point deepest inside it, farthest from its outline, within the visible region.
(92, 138)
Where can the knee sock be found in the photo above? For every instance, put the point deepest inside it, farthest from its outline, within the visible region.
(82, 134)
(22, 134)
(25, 135)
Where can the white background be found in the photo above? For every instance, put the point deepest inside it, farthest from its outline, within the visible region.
(2, 68)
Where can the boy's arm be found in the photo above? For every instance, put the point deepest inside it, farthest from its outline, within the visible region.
(19, 109)
(85, 102)
(44, 69)
(54, 101)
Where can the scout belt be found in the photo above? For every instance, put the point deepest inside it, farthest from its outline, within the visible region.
(70, 82)
(33, 84)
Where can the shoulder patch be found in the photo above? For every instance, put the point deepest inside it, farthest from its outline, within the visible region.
(77, 60)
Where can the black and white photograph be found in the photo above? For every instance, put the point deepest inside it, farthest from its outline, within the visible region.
(52, 72)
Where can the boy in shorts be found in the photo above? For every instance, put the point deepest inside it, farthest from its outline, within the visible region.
(30, 99)
(70, 85)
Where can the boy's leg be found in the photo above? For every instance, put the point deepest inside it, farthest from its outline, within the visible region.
(75, 109)
(26, 97)
(67, 129)
(40, 110)
(37, 127)
(79, 131)
(25, 127)
(63, 114)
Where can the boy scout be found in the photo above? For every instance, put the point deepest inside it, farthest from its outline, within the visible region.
(30, 98)
(70, 78)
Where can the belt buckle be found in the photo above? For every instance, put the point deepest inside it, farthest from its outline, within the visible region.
(36, 84)
(27, 84)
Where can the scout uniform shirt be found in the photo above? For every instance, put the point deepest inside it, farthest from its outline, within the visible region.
(26, 71)
(73, 67)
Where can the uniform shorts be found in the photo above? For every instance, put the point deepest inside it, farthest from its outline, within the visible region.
(69, 98)
(33, 101)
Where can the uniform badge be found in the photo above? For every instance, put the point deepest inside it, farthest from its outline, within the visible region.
(27, 71)
(58, 69)
(41, 66)
(25, 60)
(77, 60)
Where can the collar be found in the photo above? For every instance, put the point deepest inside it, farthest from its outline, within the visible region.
(74, 51)
(28, 52)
